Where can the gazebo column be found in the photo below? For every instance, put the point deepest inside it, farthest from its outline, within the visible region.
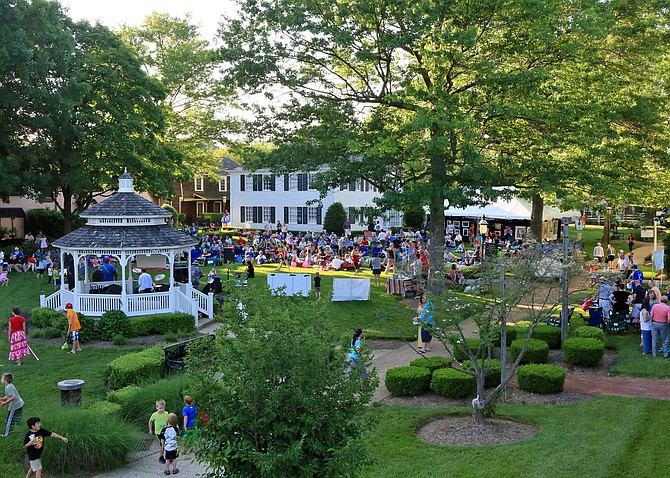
(63, 269)
(172, 289)
(124, 294)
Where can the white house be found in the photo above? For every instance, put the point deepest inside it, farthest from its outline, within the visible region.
(260, 196)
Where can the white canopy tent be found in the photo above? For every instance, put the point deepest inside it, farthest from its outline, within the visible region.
(515, 209)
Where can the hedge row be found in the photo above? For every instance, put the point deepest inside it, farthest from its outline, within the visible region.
(551, 335)
(453, 383)
(586, 332)
(408, 381)
(537, 352)
(492, 378)
(161, 323)
(541, 378)
(458, 346)
(54, 324)
(431, 363)
(585, 352)
(136, 367)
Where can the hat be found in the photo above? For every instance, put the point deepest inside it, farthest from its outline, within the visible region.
(68, 305)
(598, 244)
(634, 266)
(107, 259)
(16, 248)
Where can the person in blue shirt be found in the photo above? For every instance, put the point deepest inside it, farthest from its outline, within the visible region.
(109, 272)
(637, 275)
(354, 357)
(189, 413)
(427, 323)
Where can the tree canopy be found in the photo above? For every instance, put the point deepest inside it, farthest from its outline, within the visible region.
(85, 111)
(433, 101)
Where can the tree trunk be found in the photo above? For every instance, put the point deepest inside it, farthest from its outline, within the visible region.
(68, 217)
(606, 230)
(536, 217)
(478, 403)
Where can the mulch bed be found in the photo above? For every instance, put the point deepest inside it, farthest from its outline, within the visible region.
(459, 430)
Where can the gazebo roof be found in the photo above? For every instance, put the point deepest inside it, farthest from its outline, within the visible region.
(127, 204)
(122, 237)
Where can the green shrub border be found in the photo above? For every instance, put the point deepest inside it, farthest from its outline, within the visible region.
(136, 367)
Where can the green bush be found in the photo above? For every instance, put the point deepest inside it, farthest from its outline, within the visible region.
(495, 333)
(138, 403)
(585, 352)
(105, 408)
(586, 332)
(136, 367)
(459, 349)
(113, 322)
(537, 352)
(334, 219)
(551, 335)
(453, 383)
(541, 378)
(42, 318)
(492, 378)
(431, 363)
(95, 443)
(161, 324)
(53, 333)
(404, 381)
(119, 339)
(89, 329)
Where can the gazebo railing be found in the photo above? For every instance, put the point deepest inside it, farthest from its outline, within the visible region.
(156, 303)
(204, 302)
(98, 304)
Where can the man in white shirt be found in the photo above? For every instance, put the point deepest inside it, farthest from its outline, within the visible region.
(598, 252)
(145, 282)
(336, 264)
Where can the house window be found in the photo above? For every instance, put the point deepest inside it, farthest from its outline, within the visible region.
(393, 219)
(311, 178)
(313, 215)
(249, 214)
(293, 215)
(223, 184)
(200, 184)
(200, 208)
(218, 209)
(268, 182)
(267, 213)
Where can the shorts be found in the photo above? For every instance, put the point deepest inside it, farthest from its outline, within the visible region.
(36, 465)
(171, 455)
(74, 335)
(376, 272)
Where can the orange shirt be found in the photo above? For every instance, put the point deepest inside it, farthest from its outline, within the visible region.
(73, 320)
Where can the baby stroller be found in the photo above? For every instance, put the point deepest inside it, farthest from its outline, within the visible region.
(617, 323)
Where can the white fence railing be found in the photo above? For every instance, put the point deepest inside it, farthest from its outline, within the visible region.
(155, 303)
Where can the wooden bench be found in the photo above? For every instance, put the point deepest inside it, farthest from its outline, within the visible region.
(176, 353)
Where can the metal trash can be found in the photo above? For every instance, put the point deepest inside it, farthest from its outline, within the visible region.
(70, 392)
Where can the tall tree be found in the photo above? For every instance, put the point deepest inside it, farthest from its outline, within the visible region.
(429, 101)
(173, 52)
(89, 112)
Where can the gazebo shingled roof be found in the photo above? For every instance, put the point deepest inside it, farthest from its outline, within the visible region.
(123, 237)
(125, 204)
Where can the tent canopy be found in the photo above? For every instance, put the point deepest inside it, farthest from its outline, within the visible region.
(510, 209)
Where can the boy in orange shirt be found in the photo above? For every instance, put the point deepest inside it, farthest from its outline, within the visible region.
(73, 328)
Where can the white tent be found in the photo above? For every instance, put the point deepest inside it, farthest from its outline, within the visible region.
(514, 209)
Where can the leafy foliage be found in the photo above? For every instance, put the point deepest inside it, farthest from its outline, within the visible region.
(161, 323)
(551, 335)
(453, 383)
(541, 378)
(537, 352)
(584, 351)
(113, 322)
(403, 381)
(334, 218)
(136, 367)
(431, 363)
(586, 332)
(274, 379)
(492, 377)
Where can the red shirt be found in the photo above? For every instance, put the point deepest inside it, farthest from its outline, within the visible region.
(16, 323)
(660, 312)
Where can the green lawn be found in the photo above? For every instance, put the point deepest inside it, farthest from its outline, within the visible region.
(601, 437)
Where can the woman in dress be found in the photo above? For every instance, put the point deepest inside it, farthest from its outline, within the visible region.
(18, 347)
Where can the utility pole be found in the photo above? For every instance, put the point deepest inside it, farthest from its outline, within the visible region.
(565, 279)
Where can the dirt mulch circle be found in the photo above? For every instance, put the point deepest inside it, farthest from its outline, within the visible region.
(459, 430)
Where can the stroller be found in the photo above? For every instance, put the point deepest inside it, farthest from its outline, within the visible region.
(617, 323)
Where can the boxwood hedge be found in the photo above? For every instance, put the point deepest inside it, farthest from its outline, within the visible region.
(402, 381)
(161, 324)
(136, 367)
(537, 352)
(453, 383)
(551, 335)
(492, 378)
(586, 352)
(541, 378)
(586, 332)
(431, 363)
(458, 348)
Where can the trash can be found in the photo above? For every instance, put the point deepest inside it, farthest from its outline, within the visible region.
(70, 392)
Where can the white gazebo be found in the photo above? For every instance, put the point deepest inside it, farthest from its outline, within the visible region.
(127, 227)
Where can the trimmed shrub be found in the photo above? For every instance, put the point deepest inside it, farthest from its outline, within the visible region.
(537, 352)
(89, 328)
(138, 403)
(551, 335)
(42, 318)
(96, 442)
(119, 339)
(136, 367)
(431, 363)
(53, 333)
(453, 383)
(403, 381)
(511, 334)
(586, 332)
(459, 350)
(161, 323)
(585, 352)
(541, 378)
(492, 379)
(113, 322)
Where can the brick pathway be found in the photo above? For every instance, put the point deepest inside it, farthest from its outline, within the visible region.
(622, 386)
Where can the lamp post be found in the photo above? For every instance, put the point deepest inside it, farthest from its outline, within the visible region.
(483, 231)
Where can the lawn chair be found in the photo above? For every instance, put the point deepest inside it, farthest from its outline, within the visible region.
(617, 323)
(556, 321)
(596, 317)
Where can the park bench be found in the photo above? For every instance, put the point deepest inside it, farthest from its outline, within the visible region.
(176, 353)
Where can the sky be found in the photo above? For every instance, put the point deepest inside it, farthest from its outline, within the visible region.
(205, 13)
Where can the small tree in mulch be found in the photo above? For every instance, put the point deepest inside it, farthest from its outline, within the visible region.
(511, 283)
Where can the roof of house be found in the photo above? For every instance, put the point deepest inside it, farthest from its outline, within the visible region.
(12, 212)
(123, 237)
(125, 204)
